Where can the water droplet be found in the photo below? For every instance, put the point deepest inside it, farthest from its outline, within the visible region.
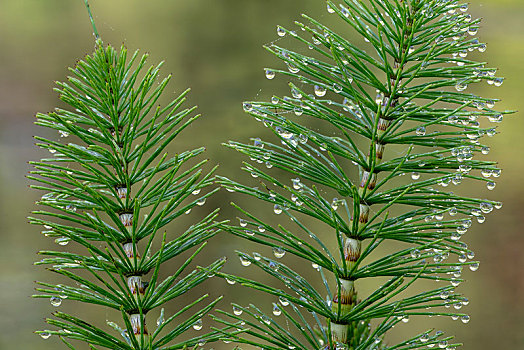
(296, 183)
(244, 261)
(491, 132)
(257, 256)
(277, 209)
(242, 222)
(237, 311)
(337, 88)
(320, 91)
(296, 94)
(248, 107)
(461, 86)
(197, 325)
(443, 344)
(62, 241)
(261, 229)
(292, 69)
(270, 74)
(486, 207)
(421, 131)
(298, 111)
(195, 192)
(491, 185)
(415, 175)
(280, 31)
(474, 266)
(482, 47)
(274, 100)
(230, 281)
(276, 310)
(415, 254)
(283, 301)
(279, 252)
(55, 301)
(334, 204)
(45, 335)
(201, 202)
(485, 150)
(160, 319)
(465, 318)
(486, 172)
(498, 81)
(444, 294)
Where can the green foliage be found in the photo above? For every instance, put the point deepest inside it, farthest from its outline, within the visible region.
(111, 190)
(396, 104)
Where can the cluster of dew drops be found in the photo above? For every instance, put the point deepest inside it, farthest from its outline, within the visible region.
(56, 301)
(462, 154)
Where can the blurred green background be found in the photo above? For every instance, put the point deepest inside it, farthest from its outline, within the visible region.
(215, 47)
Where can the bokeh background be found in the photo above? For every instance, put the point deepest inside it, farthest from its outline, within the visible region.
(215, 47)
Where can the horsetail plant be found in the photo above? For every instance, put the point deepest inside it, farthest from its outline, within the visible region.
(359, 118)
(111, 190)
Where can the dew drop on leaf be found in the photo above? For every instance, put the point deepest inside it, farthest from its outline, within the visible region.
(276, 310)
(237, 311)
(56, 301)
(45, 335)
(465, 318)
(160, 319)
(320, 91)
(197, 325)
(270, 74)
(279, 252)
(244, 261)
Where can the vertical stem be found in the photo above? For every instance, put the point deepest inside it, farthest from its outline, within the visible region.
(86, 2)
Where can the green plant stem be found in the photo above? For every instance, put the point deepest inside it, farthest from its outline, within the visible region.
(95, 31)
(373, 158)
